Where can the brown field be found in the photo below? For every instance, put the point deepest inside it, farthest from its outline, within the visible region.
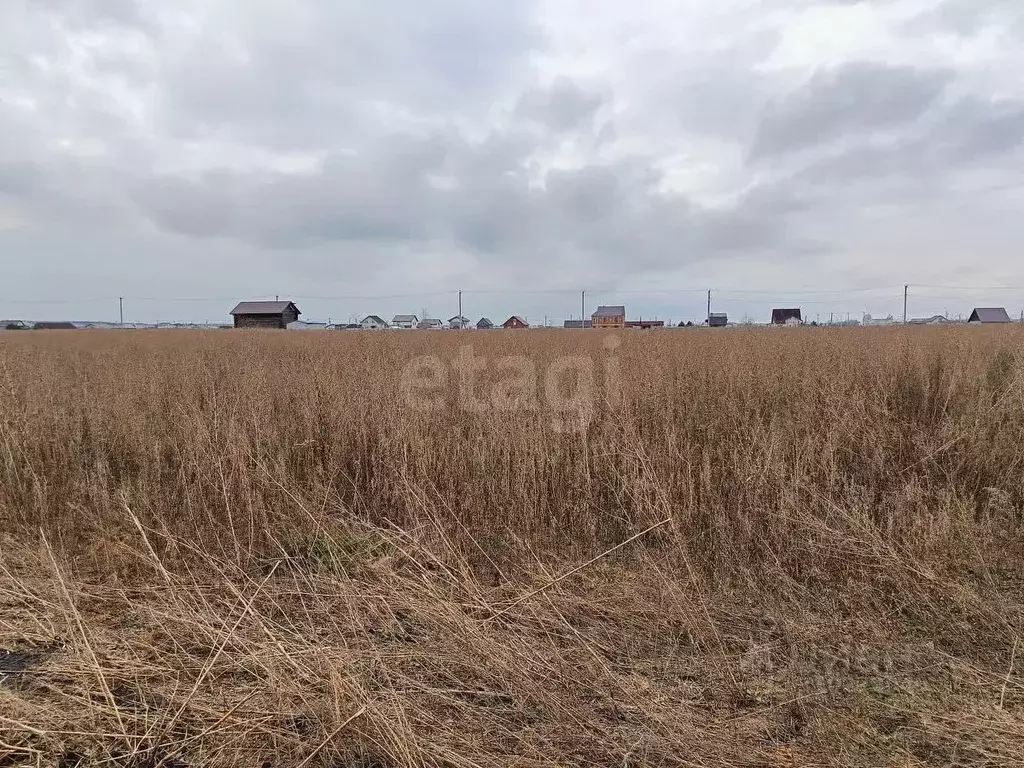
(764, 548)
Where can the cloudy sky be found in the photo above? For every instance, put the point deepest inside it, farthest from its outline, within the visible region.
(378, 157)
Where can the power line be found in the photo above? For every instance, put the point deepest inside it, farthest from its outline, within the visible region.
(972, 287)
(780, 293)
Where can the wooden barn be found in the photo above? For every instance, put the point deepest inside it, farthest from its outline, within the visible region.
(515, 322)
(265, 314)
(787, 317)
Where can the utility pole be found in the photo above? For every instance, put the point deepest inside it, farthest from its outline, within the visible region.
(905, 289)
(709, 307)
(460, 306)
(831, 315)
(120, 308)
(583, 309)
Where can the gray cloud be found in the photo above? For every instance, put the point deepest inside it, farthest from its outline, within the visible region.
(315, 74)
(969, 17)
(562, 107)
(967, 135)
(615, 212)
(856, 98)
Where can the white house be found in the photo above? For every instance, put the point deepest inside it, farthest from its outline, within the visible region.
(372, 323)
(869, 320)
(459, 322)
(404, 321)
(302, 325)
(430, 324)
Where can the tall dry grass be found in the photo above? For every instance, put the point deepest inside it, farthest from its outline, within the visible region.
(253, 548)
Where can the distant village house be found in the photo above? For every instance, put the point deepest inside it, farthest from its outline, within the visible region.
(989, 315)
(645, 324)
(609, 317)
(405, 321)
(787, 317)
(515, 322)
(55, 326)
(458, 322)
(372, 323)
(265, 314)
(302, 325)
(484, 324)
(718, 320)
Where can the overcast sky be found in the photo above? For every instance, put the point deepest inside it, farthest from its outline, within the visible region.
(815, 153)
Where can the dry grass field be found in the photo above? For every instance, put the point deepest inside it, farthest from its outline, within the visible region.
(745, 548)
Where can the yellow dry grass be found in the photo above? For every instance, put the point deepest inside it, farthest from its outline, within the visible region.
(766, 548)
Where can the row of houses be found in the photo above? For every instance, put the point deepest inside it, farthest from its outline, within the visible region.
(285, 314)
(68, 325)
(979, 315)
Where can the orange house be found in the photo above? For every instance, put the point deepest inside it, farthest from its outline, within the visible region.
(609, 317)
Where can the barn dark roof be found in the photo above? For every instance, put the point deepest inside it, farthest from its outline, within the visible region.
(780, 316)
(55, 326)
(989, 315)
(578, 324)
(263, 308)
(718, 318)
(613, 311)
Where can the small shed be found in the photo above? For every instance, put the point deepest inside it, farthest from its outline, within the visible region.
(989, 315)
(373, 323)
(265, 314)
(430, 324)
(515, 322)
(577, 325)
(787, 317)
(484, 324)
(645, 324)
(718, 320)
